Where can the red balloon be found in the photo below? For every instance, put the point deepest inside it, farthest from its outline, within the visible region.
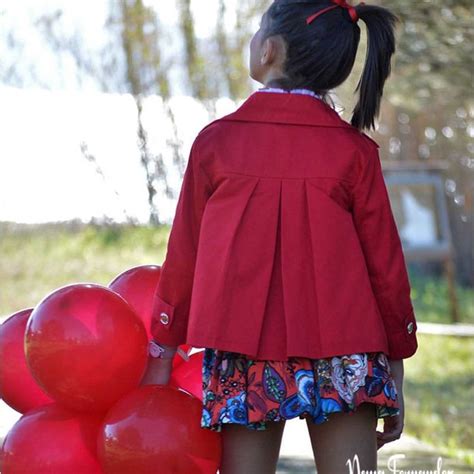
(157, 427)
(18, 388)
(52, 440)
(188, 375)
(86, 347)
(138, 286)
(178, 359)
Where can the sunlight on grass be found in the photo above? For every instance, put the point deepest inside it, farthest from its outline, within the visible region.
(36, 263)
(439, 390)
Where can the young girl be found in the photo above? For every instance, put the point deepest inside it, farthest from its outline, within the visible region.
(284, 262)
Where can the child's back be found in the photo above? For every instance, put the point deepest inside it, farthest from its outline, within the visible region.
(292, 249)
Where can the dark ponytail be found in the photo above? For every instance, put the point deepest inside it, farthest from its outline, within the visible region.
(380, 24)
(320, 56)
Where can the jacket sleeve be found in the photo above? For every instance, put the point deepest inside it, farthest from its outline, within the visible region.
(380, 242)
(172, 298)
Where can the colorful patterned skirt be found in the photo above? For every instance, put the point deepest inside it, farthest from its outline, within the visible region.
(238, 389)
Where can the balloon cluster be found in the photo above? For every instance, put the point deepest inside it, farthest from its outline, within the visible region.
(73, 365)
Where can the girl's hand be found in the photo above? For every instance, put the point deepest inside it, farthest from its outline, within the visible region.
(158, 371)
(393, 425)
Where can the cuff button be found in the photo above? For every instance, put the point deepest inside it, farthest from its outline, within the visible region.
(410, 327)
(164, 318)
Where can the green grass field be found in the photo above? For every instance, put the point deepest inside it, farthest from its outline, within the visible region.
(439, 382)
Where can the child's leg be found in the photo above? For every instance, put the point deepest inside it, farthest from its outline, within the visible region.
(246, 451)
(343, 436)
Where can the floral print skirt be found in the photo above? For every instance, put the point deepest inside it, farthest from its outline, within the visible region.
(238, 389)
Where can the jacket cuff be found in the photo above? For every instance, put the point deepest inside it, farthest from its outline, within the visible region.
(162, 320)
(402, 343)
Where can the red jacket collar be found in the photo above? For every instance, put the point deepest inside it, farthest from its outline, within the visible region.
(287, 108)
(299, 109)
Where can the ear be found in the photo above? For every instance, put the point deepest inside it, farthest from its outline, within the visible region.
(273, 50)
(269, 51)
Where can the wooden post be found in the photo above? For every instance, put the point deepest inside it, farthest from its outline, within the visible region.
(450, 273)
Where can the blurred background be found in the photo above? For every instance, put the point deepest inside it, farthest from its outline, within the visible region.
(101, 101)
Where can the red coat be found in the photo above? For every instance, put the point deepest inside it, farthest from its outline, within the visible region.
(284, 242)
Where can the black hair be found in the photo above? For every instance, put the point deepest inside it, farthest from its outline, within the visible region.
(321, 55)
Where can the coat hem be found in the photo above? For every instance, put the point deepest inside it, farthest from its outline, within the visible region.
(340, 350)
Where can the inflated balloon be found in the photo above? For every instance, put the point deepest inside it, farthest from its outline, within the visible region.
(86, 347)
(157, 427)
(18, 388)
(52, 440)
(188, 375)
(138, 285)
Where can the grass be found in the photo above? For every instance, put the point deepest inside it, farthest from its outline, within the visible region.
(439, 379)
(439, 389)
(36, 261)
(430, 297)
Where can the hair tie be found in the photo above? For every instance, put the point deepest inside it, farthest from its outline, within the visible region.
(339, 3)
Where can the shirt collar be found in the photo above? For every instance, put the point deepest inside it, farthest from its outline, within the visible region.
(291, 91)
(289, 108)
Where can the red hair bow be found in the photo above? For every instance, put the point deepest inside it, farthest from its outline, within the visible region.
(338, 3)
